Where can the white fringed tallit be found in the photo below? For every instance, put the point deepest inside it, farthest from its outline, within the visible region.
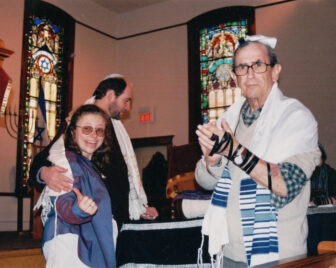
(137, 197)
(56, 157)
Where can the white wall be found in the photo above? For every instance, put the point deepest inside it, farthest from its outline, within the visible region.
(11, 21)
(157, 65)
(95, 57)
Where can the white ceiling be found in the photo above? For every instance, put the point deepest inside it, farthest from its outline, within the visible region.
(121, 6)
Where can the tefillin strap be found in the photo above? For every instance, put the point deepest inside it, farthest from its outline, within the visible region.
(227, 141)
(251, 165)
(218, 146)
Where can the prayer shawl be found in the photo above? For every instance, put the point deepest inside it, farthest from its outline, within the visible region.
(56, 157)
(284, 128)
(137, 197)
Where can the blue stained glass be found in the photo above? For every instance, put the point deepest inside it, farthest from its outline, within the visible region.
(55, 28)
(37, 21)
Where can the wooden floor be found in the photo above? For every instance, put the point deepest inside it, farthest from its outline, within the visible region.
(16, 240)
(20, 250)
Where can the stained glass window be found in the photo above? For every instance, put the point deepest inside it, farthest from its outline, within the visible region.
(211, 43)
(43, 87)
(46, 84)
(217, 45)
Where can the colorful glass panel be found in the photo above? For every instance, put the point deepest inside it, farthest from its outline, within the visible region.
(217, 45)
(43, 88)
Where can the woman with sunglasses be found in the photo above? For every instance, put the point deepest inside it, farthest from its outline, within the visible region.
(78, 230)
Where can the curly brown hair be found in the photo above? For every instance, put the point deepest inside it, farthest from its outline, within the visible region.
(101, 155)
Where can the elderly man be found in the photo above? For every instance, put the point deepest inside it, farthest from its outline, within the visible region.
(258, 159)
(121, 177)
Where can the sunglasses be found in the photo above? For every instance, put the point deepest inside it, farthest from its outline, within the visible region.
(87, 130)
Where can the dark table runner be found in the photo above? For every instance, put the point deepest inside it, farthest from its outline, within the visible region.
(321, 226)
(174, 244)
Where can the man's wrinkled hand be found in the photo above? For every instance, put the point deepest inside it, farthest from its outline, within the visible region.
(150, 214)
(204, 133)
(55, 180)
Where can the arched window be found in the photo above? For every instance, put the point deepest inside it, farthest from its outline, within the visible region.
(46, 82)
(211, 43)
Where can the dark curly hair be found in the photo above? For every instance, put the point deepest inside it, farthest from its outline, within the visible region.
(101, 155)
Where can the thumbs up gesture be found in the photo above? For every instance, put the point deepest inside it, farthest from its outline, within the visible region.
(85, 203)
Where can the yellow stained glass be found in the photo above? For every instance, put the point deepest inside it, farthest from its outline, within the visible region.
(33, 91)
(45, 49)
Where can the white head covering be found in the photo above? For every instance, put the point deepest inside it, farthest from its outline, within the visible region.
(113, 76)
(266, 40)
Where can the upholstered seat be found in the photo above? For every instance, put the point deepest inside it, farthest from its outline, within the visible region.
(326, 246)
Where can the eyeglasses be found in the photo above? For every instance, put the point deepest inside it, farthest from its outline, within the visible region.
(87, 130)
(257, 67)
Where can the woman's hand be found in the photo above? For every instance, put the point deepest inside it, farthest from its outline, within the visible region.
(85, 203)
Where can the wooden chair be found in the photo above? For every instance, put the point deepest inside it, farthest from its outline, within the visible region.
(326, 246)
(181, 166)
(183, 158)
(179, 183)
(181, 177)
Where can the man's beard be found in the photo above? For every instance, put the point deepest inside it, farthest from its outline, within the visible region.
(114, 113)
(117, 117)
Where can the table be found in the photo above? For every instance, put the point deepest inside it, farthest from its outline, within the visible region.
(327, 260)
(144, 244)
(175, 243)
